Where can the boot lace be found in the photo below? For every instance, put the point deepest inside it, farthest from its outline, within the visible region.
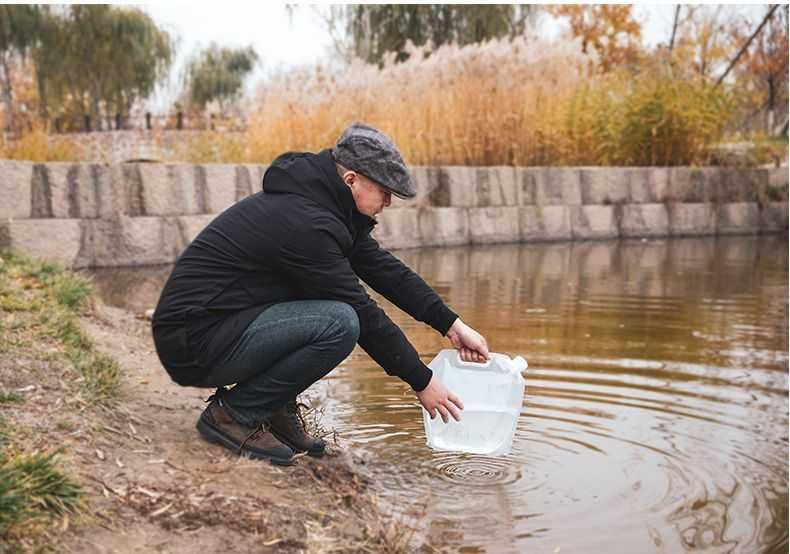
(262, 428)
(293, 411)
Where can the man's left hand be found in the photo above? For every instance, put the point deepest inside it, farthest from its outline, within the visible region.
(471, 345)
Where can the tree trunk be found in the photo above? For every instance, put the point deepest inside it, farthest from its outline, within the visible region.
(8, 97)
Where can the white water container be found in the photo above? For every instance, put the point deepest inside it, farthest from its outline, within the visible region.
(492, 394)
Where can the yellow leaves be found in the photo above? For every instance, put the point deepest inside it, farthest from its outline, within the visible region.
(608, 29)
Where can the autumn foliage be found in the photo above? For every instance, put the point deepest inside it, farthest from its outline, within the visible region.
(609, 30)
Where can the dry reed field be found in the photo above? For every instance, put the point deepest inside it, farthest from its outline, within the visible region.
(505, 102)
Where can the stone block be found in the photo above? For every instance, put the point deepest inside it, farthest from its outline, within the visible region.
(129, 241)
(443, 226)
(61, 190)
(397, 228)
(15, 179)
(56, 240)
(604, 185)
(740, 184)
(527, 181)
(644, 220)
(693, 184)
(496, 186)
(558, 186)
(594, 222)
(220, 186)
(455, 188)
(112, 193)
(691, 219)
(542, 223)
(773, 217)
(648, 185)
(775, 187)
(739, 218)
(468, 187)
(426, 180)
(494, 224)
(173, 189)
(247, 180)
(189, 226)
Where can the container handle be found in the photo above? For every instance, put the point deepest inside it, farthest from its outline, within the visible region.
(481, 365)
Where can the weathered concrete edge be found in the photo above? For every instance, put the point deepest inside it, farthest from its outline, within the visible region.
(90, 190)
(152, 240)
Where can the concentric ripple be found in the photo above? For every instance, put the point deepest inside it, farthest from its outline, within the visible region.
(474, 470)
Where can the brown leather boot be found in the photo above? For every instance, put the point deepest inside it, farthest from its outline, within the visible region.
(216, 426)
(287, 425)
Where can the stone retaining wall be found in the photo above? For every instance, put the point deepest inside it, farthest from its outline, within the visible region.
(95, 215)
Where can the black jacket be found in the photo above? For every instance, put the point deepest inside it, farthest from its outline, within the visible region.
(300, 238)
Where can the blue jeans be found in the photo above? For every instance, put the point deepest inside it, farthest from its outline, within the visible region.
(287, 348)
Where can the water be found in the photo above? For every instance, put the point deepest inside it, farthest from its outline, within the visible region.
(656, 413)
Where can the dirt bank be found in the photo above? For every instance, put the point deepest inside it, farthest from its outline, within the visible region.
(151, 483)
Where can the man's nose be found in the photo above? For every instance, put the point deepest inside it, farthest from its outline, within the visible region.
(388, 199)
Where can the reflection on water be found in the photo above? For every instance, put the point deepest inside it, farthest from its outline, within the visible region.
(656, 413)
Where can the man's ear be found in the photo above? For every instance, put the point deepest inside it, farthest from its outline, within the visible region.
(349, 178)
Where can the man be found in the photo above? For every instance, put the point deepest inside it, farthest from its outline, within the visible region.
(267, 297)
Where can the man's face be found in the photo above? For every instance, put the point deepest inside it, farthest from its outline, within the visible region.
(370, 197)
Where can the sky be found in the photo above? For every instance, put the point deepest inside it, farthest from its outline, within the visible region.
(283, 40)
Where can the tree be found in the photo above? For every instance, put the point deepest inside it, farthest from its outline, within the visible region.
(608, 29)
(765, 64)
(218, 74)
(704, 41)
(380, 28)
(98, 59)
(19, 31)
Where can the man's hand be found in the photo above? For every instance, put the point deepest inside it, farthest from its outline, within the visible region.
(435, 398)
(471, 345)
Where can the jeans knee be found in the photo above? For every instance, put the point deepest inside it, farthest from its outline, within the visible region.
(347, 318)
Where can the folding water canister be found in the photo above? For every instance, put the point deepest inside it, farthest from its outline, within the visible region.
(492, 394)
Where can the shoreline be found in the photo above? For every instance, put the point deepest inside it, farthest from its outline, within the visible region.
(147, 478)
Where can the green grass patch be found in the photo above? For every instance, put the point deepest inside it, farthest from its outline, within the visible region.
(101, 376)
(34, 488)
(55, 298)
(11, 397)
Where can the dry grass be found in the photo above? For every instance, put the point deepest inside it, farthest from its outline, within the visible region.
(504, 102)
(37, 146)
(488, 104)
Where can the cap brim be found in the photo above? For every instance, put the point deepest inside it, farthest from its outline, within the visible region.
(401, 196)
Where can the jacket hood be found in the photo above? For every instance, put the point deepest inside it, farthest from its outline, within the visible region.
(315, 177)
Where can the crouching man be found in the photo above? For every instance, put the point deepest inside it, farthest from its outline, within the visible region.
(267, 298)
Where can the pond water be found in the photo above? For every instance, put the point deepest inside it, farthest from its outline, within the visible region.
(656, 411)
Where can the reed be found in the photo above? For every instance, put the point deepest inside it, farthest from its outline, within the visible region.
(504, 102)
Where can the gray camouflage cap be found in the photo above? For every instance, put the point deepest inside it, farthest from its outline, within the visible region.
(370, 152)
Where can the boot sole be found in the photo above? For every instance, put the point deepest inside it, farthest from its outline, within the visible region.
(286, 442)
(215, 436)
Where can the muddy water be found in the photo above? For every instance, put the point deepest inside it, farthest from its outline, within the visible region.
(656, 413)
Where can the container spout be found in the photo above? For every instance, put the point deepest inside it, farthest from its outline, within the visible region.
(519, 364)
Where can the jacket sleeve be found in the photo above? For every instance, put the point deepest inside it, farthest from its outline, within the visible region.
(315, 262)
(391, 278)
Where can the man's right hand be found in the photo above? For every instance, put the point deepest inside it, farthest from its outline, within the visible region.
(435, 398)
